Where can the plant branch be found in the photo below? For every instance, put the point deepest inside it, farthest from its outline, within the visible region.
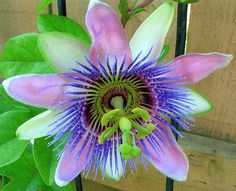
(142, 5)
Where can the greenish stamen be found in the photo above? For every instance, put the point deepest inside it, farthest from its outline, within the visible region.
(138, 112)
(107, 133)
(126, 122)
(109, 116)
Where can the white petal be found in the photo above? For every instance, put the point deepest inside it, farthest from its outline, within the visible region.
(111, 171)
(62, 50)
(201, 104)
(92, 3)
(152, 32)
(37, 126)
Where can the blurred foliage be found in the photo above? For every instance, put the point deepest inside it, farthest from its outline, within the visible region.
(127, 11)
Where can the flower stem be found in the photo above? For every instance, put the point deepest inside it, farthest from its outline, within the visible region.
(179, 50)
(181, 29)
(3, 182)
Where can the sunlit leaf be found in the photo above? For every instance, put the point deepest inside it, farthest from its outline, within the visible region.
(11, 148)
(45, 159)
(25, 177)
(21, 55)
(22, 48)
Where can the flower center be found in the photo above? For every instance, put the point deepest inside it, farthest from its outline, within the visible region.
(118, 104)
(131, 89)
(130, 128)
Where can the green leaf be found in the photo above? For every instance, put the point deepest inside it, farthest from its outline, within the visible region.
(127, 12)
(11, 151)
(9, 69)
(42, 5)
(21, 55)
(49, 23)
(45, 159)
(133, 5)
(123, 7)
(22, 48)
(25, 177)
(11, 148)
(164, 52)
(5, 105)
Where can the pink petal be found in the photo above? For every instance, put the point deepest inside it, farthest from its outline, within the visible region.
(195, 67)
(108, 35)
(37, 90)
(70, 164)
(169, 159)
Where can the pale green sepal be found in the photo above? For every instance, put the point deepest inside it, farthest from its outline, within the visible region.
(152, 32)
(38, 126)
(62, 50)
(202, 104)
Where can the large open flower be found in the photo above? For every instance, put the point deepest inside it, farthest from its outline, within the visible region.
(111, 102)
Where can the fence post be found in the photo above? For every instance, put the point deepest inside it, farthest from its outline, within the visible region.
(179, 50)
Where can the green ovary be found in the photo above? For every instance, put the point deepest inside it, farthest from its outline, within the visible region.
(126, 123)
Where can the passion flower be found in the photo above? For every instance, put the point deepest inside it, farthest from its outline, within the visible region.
(110, 103)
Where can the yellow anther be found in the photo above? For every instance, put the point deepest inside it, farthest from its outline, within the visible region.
(150, 127)
(109, 116)
(107, 133)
